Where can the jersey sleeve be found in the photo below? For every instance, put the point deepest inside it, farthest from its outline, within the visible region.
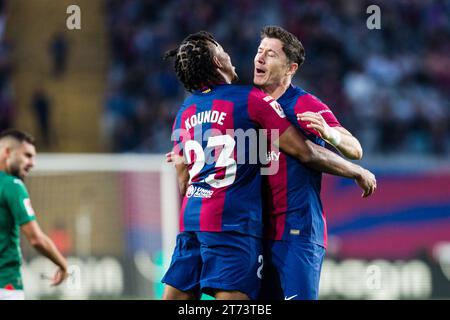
(266, 112)
(18, 200)
(308, 102)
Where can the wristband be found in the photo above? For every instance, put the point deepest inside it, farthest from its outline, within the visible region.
(335, 138)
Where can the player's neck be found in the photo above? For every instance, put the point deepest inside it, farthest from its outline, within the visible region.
(226, 77)
(276, 90)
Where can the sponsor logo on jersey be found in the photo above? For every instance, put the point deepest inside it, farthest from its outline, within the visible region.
(275, 106)
(28, 207)
(198, 192)
(190, 191)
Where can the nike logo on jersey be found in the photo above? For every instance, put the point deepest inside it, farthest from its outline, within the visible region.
(291, 297)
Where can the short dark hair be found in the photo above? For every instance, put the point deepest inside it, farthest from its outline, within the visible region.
(194, 63)
(292, 47)
(17, 135)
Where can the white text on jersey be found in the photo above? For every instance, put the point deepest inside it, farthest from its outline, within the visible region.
(205, 117)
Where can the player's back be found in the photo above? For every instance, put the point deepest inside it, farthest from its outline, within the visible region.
(225, 184)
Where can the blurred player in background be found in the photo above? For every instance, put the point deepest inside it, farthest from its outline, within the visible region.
(296, 230)
(219, 248)
(17, 156)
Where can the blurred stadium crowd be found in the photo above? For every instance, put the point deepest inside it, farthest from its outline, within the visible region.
(6, 93)
(390, 87)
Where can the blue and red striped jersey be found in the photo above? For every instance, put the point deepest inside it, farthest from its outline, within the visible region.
(293, 206)
(224, 192)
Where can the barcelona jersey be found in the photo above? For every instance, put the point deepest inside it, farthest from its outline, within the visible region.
(293, 205)
(215, 131)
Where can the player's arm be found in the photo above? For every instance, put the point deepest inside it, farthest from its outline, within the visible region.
(321, 159)
(18, 200)
(183, 177)
(44, 245)
(348, 146)
(269, 115)
(176, 156)
(338, 136)
(181, 169)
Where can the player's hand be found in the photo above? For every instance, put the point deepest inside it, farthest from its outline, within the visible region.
(317, 122)
(173, 158)
(169, 156)
(367, 181)
(60, 275)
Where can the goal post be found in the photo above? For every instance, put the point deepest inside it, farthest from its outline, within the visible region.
(120, 205)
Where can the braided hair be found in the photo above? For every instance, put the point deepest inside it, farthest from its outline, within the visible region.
(194, 63)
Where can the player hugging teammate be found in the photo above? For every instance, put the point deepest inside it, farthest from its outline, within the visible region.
(219, 250)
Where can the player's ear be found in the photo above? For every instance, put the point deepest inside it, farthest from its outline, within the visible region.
(217, 62)
(6, 151)
(293, 67)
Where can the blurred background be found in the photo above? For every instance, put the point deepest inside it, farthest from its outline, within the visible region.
(101, 102)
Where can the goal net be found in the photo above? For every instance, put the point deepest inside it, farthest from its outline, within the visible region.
(114, 216)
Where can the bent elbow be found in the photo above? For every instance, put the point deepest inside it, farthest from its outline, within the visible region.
(358, 154)
(353, 154)
(37, 242)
